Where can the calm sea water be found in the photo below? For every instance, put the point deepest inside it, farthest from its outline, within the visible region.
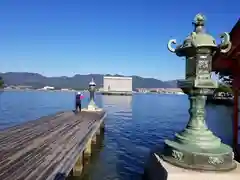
(134, 125)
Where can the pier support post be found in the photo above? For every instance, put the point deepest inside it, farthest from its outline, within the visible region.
(94, 139)
(196, 147)
(98, 133)
(87, 153)
(101, 129)
(88, 150)
(102, 126)
(78, 168)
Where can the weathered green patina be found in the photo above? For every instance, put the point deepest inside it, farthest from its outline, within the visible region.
(196, 147)
(92, 88)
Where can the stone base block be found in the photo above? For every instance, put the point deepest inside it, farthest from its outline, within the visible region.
(92, 110)
(157, 169)
(191, 156)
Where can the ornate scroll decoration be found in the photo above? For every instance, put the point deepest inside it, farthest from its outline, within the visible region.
(226, 44)
(177, 155)
(170, 42)
(215, 160)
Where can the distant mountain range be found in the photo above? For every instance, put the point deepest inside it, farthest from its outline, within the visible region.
(76, 82)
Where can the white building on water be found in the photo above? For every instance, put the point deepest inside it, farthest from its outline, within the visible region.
(48, 88)
(117, 85)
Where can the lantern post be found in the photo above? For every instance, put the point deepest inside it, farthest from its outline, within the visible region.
(196, 147)
(92, 88)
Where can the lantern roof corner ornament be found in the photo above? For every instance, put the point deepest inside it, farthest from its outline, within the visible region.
(199, 38)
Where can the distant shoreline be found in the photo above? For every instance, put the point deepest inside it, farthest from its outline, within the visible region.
(44, 90)
(38, 90)
(97, 91)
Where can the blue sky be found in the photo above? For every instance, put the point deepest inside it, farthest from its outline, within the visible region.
(67, 37)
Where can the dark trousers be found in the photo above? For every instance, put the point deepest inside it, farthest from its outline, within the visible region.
(78, 105)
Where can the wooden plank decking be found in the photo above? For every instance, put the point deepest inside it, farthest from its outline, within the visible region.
(41, 149)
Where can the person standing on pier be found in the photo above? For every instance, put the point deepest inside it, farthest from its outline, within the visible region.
(78, 100)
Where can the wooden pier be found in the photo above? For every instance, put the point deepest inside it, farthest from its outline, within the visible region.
(50, 148)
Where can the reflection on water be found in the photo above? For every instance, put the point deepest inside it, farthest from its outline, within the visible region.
(121, 102)
(134, 125)
(118, 106)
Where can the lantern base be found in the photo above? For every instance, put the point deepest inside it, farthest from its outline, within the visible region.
(191, 156)
(92, 106)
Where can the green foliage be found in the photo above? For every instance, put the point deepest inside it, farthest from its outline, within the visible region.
(1, 82)
(224, 88)
(226, 78)
(153, 90)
